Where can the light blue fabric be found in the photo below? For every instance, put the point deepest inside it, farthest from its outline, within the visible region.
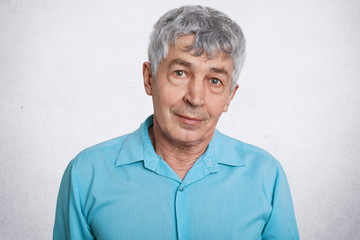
(122, 189)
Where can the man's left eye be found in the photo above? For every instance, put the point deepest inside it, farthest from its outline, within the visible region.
(179, 73)
(215, 81)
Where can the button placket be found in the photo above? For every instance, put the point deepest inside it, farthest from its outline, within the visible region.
(181, 209)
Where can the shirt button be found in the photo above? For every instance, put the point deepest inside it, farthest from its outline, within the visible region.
(181, 189)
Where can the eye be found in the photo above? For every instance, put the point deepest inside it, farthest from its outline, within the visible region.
(179, 73)
(215, 81)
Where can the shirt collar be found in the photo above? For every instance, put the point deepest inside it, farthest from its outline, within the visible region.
(138, 147)
(226, 150)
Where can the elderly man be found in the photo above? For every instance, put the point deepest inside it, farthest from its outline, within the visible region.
(177, 177)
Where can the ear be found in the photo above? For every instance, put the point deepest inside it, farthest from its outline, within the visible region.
(230, 98)
(148, 79)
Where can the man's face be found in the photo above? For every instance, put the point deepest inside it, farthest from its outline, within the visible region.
(189, 93)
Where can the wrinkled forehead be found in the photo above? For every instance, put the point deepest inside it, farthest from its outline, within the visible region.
(186, 43)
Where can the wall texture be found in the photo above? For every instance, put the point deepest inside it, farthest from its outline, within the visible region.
(70, 77)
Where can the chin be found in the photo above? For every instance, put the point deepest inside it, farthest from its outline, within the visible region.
(186, 137)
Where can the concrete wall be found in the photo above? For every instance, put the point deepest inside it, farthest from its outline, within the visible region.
(70, 77)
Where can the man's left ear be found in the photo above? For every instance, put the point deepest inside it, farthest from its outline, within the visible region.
(147, 78)
(230, 98)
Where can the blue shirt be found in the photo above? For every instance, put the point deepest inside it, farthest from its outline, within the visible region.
(122, 189)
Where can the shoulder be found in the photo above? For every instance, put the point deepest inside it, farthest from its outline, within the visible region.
(250, 155)
(92, 162)
(101, 154)
(109, 146)
(262, 168)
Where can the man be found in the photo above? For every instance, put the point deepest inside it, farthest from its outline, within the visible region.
(176, 177)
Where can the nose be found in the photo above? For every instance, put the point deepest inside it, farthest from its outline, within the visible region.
(195, 94)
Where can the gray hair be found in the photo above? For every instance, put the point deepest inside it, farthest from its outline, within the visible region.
(213, 31)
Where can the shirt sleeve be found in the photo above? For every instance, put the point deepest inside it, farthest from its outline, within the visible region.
(70, 222)
(281, 223)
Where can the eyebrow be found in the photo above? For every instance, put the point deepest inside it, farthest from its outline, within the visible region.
(219, 70)
(179, 61)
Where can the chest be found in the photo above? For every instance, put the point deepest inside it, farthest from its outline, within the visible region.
(220, 206)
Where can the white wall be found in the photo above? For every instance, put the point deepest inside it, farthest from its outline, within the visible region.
(70, 77)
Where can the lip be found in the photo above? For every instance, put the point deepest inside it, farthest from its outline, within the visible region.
(192, 121)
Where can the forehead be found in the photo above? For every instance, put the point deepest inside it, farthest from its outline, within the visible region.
(185, 43)
(180, 50)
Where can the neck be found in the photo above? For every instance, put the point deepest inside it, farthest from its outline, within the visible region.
(180, 157)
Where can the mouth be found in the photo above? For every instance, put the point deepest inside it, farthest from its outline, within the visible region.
(189, 120)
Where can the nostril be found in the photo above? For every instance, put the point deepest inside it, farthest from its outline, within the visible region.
(194, 100)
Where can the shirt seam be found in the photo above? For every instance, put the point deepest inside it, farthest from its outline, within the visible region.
(78, 187)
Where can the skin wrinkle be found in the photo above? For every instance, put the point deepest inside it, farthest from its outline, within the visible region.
(180, 166)
(179, 61)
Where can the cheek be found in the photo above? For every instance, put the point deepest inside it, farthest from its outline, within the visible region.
(216, 106)
(165, 100)
(170, 95)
